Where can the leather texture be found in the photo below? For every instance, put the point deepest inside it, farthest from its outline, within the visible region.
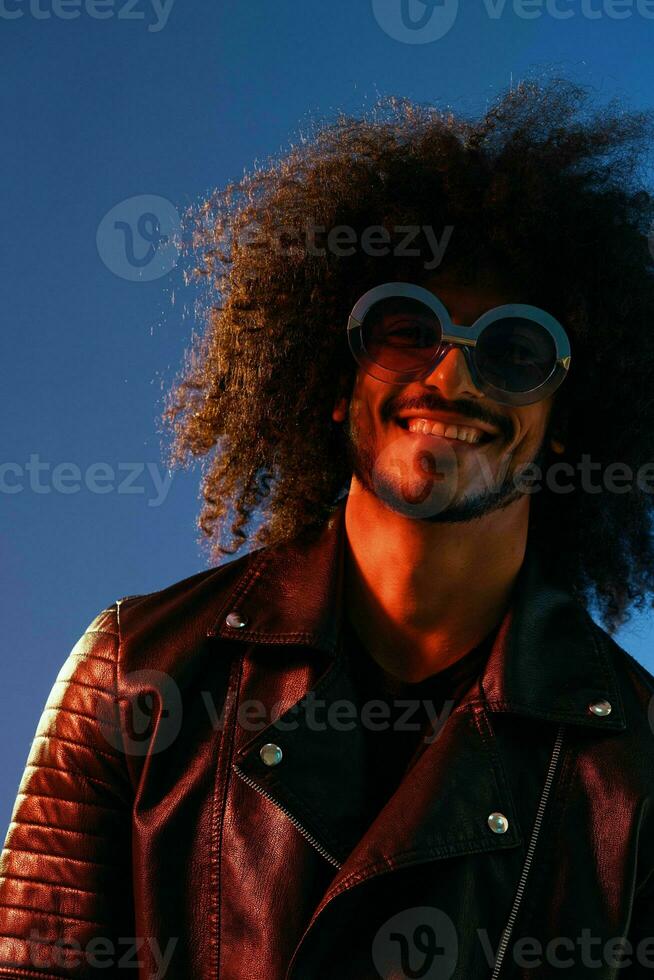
(149, 839)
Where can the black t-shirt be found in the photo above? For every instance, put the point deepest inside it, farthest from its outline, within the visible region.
(395, 734)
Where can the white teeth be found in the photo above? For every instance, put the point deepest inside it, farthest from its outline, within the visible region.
(462, 432)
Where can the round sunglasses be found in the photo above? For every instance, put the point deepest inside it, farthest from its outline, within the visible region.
(516, 354)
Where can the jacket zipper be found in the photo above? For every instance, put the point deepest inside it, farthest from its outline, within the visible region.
(508, 929)
(296, 823)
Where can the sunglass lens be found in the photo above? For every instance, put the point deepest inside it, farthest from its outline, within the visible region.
(400, 334)
(515, 354)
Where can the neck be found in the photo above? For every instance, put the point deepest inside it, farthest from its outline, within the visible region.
(422, 595)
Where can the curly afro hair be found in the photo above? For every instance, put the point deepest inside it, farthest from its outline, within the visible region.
(544, 187)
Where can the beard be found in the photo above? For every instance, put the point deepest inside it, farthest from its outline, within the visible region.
(432, 496)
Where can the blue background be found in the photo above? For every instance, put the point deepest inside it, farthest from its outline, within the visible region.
(98, 111)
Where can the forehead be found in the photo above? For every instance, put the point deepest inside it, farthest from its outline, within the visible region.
(467, 301)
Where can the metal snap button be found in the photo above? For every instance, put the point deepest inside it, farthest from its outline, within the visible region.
(601, 708)
(498, 823)
(270, 754)
(236, 620)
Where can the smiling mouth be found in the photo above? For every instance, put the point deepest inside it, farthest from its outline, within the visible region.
(464, 434)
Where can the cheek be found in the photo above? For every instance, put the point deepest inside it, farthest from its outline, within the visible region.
(356, 410)
(360, 423)
(363, 407)
(531, 424)
(540, 418)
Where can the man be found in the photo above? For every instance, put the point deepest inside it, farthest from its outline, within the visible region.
(392, 741)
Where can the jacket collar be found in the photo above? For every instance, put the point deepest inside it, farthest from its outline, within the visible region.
(549, 659)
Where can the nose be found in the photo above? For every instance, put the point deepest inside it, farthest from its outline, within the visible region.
(452, 377)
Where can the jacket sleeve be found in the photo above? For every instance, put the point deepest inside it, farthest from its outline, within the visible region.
(65, 870)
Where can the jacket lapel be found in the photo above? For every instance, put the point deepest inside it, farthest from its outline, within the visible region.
(439, 810)
(547, 662)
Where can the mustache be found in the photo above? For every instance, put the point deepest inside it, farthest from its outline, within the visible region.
(468, 410)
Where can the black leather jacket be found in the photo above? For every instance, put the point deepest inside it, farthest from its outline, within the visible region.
(152, 825)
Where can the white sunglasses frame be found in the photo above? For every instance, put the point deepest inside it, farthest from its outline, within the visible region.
(455, 335)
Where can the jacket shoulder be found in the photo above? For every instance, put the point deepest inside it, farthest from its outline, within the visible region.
(200, 594)
(625, 663)
(170, 630)
(190, 582)
(636, 687)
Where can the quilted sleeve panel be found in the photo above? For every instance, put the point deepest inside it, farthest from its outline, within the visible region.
(65, 870)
